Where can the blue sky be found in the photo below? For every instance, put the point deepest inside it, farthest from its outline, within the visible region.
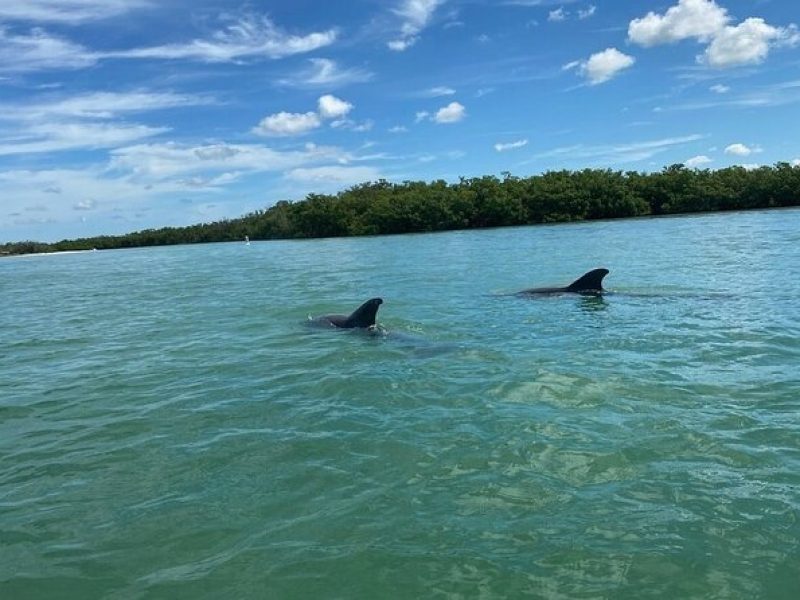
(120, 115)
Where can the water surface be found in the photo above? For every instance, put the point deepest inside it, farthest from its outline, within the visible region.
(171, 428)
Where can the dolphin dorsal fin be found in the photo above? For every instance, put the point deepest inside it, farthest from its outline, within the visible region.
(364, 315)
(589, 282)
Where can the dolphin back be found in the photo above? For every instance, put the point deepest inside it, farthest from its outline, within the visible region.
(589, 282)
(364, 315)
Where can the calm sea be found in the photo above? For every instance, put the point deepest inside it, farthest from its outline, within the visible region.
(170, 427)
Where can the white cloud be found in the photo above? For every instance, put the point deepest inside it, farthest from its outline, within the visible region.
(398, 129)
(697, 161)
(796, 162)
(510, 145)
(67, 11)
(40, 51)
(557, 15)
(745, 44)
(331, 107)
(602, 66)
(587, 12)
(324, 72)
(452, 113)
(698, 19)
(720, 89)
(415, 15)
(285, 124)
(741, 150)
(421, 116)
(247, 37)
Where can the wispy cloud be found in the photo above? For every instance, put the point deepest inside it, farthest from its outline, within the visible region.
(504, 147)
(85, 205)
(336, 174)
(780, 94)
(619, 153)
(327, 73)
(415, 16)
(158, 162)
(39, 50)
(537, 2)
(86, 121)
(67, 11)
(141, 176)
(56, 137)
(436, 92)
(100, 105)
(248, 37)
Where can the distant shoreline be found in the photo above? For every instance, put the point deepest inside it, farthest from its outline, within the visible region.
(386, 208)
(46, 253)
(609, 219)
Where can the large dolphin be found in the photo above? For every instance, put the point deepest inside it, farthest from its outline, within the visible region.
(590, 283)
(363, 317)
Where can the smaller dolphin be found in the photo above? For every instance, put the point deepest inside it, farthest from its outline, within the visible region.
(590, 283)
(363, 317)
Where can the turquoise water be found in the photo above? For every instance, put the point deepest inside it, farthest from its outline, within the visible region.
(170, 427)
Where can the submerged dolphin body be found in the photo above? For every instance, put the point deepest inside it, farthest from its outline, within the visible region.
(362, 318)
(590, 283)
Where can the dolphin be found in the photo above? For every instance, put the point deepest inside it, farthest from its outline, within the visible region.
(362, 318)
(590, 283)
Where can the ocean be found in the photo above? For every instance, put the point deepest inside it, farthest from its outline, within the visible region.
(171, 427)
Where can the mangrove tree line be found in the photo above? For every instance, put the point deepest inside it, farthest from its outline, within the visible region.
(384, 207)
